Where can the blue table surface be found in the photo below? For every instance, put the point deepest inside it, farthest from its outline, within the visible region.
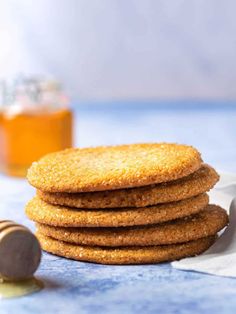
(76, 287)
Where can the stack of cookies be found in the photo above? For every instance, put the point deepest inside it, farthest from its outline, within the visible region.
(129, 204)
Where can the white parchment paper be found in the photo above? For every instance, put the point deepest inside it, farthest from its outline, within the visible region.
(220, 259)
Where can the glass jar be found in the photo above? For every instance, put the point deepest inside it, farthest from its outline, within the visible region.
(34, 120)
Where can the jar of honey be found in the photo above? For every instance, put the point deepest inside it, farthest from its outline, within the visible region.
(34, 120)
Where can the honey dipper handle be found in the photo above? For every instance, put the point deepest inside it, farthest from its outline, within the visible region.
(20, 252)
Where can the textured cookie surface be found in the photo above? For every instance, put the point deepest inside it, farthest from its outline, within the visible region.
(126, 255)
(53, 215)
(196, 183)
(206, 223)
(113, 167)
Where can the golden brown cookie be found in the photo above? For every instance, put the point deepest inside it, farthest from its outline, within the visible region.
(196, 183)
(113, 167)
(125, 255)
(206, 223)
(53, 215)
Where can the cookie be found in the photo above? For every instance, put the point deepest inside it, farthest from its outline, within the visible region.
(125, 255)
(42, 212)
(113, 167)
(206, 223)
(196, 183)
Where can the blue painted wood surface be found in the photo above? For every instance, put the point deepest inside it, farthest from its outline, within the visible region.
(74, 287)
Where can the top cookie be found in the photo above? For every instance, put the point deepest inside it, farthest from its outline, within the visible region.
(113, 167)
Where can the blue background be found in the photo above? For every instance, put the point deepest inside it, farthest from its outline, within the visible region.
(123, 49)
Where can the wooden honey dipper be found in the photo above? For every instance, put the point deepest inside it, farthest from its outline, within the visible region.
(20, 251)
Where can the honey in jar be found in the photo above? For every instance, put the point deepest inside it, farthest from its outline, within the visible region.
(35, 121)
